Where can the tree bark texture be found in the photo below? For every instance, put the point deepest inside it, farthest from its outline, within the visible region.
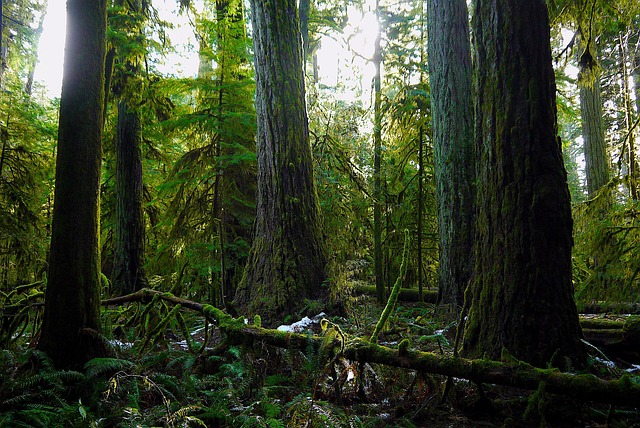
(72, 296)
(521, 296)
(287, 260)
(129, 274)
(452, 119)
(595, 150)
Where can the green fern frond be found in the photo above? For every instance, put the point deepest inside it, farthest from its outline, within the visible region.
(99, 366)
(169, 385)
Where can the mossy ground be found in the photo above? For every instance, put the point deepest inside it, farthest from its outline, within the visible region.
(204, 381)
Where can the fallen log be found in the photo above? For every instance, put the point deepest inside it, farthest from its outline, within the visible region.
(608, 307)
(613, 336)
(585, 387)
(406, 294)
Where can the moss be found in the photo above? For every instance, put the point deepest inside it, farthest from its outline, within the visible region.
(393, 298)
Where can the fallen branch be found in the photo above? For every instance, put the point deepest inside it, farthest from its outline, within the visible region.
(406, 294)
(520, 375)
(608, 307)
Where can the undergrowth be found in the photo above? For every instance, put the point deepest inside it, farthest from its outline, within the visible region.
(170, 380)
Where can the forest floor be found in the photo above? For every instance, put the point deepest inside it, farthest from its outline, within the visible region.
(169, 368)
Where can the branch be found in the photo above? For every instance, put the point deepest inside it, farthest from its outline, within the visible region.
(585, 387)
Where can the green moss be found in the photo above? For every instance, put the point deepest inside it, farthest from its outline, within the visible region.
(393, 298)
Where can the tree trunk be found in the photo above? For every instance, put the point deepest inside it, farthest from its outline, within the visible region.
(287, 260)
(595, 150)
(73, 289)
(521, 296)
(451, 109)
(129, 274)
(28, 87)
(633, 175)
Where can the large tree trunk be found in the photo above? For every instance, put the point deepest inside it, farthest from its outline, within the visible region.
(595, 151)
(521, 296)
(73, 288)
(287, 260)
(129, 274)
(451, 109)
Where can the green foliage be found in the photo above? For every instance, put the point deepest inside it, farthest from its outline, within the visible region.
(27, 133)
(33, 393)
(607, 241)
(393, 297)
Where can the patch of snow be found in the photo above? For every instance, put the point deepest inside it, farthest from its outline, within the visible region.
(120, 344)
(634, 368)
(302, 325)
(607, 363)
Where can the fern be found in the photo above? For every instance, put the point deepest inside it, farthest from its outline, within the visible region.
(100, 366)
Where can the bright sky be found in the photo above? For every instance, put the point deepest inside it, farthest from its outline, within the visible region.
(51, 47)
(337, 64)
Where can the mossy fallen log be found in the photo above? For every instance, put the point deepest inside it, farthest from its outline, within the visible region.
(406, 294)
(613, 336)
(587, 387)
(608, 307)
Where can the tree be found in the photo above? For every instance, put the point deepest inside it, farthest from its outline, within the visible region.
(129, 242)
(72, 296)
(287, 260)
(129, 274)
(595, 149)
(521, 296)
(451, 107)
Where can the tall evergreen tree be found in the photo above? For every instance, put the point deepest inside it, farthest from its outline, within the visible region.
(521, 296)
(452, 121)
(287, 260)
(72, 299)
(129, 274)
(129, 242)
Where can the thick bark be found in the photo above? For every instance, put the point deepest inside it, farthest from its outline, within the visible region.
(521, 296)
(129, 274)
(287, 260)
(595, 150)
(451, 109)
(73, 288)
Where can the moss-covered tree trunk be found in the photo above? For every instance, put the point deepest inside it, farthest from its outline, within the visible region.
(72, 296)
(521, 296)
(287, 260)
(452, 119)
(129, 275)
(129, 242)
(595, 150)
